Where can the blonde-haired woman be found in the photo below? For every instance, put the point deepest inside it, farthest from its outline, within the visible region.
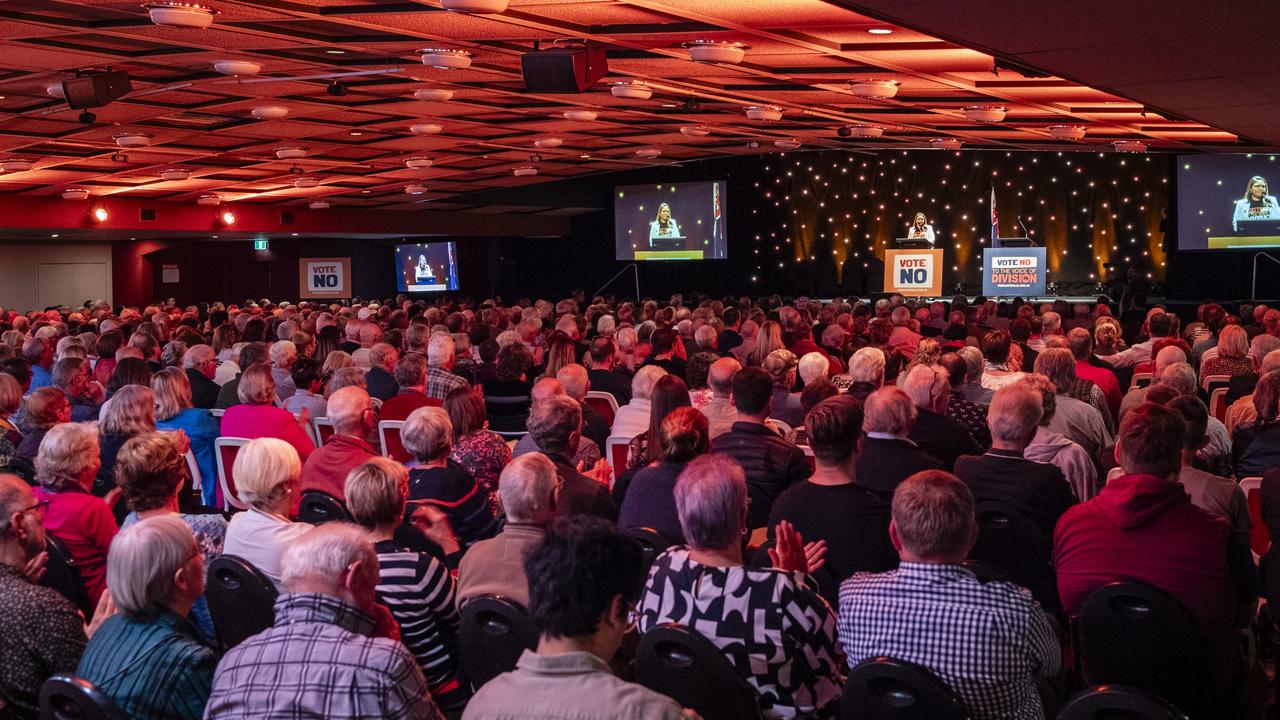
(131, 411)
(1233, 354)
(267, 473)
(66, 466)
(172, 389)
(258, 417)
(767, 340)
(1107, 337)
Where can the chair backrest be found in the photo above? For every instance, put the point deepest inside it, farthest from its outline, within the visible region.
(1012, 542)
(1259, 538)
(225, 450)
(310, 430)
(62, 575)
(783, 428)
(1117, 702)
(1209, 382)
(67, 697)
(618, 452)
(685, 666)
(323, 429)
(1136, 634)
(1218, 403)
(494, 632)
(389, 437)
(507, 414)
(318, 507)
(604, 403)
(241, 599)
(1141, 379)
(651, 541)
(218, 412)
(883, 688)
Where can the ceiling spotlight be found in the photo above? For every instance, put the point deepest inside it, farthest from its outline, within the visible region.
(425, 129)
(16, 165)
(695, 130)
(985, 113)
(237, 67)
(87, 118)
(548, 143)
(75, 194)
(475, 6)
(877, 89)
(209, 199)
(862, 131)
(228, 218)
(336, 89)
(446, 58)
(631, 90)
(269, 112)
(319, 204)
(290, 152)
(99, 214)
(55, 90)
(880, 31)
(415, 189)
(648, 152)
(420, 162)
(132, 139)
(1067, 132)
(580, 115)
(433, 95)
(1129, 146)
(524, 171)
(306, 182)
(946, 143)
(788, 144)
(767, 113)
(181, 14)
(753, 144)
(716, 51)
(119, 157)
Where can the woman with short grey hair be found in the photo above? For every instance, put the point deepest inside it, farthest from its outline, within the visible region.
(428, 435)
(148, 658)
(66, 465)
(267, 473)
(786, 649)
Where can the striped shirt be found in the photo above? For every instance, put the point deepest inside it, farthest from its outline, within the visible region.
(152, 668)
(987, 641)
(419, 591)
(319, 661)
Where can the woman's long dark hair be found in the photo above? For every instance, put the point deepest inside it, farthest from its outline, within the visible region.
(669, 393)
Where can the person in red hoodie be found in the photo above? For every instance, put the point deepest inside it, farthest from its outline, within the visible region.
(1142, 526)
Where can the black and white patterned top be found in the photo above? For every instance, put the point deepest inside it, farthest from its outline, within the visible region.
(972, 416)
(988, 642)
(772, 625)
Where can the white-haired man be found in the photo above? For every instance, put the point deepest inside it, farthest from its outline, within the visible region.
(353, 416)
(201, 366)
(380, 382)
(440, 377)
(929, 387)
(283, 355)
(888, 455)
(323, 657)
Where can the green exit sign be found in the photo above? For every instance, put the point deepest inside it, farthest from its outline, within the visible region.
(260, 245)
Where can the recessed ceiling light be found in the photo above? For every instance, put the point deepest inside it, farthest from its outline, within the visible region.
(670, 105)
(425, 129)
(580, 115)
(16, 165)
(209, 199)
(475, 6)
(879, 89)
(269, 112)
(355, 133)
(415, 189)
(880, 31)
(54, 235)
(648, 152)
(764, 112)
(632, 90)
(365, 192)
(236, 67)
(716, 51)
(585, 156)
(433, 95)
(446, 58)
(545, 143)
(335, 52)
(419, 162)
(181, 14)
(132, 139)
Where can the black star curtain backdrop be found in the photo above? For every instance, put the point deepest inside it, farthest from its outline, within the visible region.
(813, 216)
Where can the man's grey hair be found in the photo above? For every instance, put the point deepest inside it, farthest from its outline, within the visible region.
(142, 561)
(889, 410)
(1261, 346)
(646, 377)
(427, 433)
(711, 501)
(925, 383)
(705, 337)
(526, 486)
(973, 361)
(867, 365)
(411, 370)
(379, 353)
(1050, 322)
(575, 380)
(1169, 355)
(197, 354)
(325, 553)
(812, 366)
(283, 353)
(1059, 365)
(440, 349)
(552, 421)
(1015, 412)
(1180, 377)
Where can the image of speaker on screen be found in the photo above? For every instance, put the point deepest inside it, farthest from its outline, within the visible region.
(1255, 205)
(422, 271)
(920, 229)
(664, 226)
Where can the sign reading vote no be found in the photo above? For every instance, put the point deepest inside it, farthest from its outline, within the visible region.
(324, 278)
(913, 272)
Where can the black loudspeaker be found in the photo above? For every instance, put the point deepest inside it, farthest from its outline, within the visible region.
(97, 89)
(564, 70)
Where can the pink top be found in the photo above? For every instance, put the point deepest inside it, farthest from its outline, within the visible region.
(258, 421)
(86, 526)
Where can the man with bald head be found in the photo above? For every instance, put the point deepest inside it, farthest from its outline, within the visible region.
(577, 383)
(720, 412)
(587, 452)
(383, 359)
(351, 411)
(1167, 356)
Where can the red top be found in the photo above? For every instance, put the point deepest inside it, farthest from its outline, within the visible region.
(1141, 527)
(800, 348)
(327, 468)
(258, 421)
(1104, 379)
(399, 406)
(86, 526)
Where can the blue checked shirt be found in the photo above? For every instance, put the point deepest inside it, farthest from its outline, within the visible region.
(318, 661)
(988, 642)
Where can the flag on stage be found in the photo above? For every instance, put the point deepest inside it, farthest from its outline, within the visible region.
(715, 200)
(995, 225)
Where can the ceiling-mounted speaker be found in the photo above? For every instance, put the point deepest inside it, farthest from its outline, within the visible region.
(92, 90)
(564, 69)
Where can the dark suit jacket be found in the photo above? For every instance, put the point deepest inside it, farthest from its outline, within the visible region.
(613, 382)
(1240, 386)
(771, 465)
(381, 384)
(204, 392)
(580, 495)
(943, 437)
(884, 464)
(1037, 489)
(228, 394)
(1028, 358)
(728, 340)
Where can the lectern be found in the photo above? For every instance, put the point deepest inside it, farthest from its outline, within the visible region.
(913, 243)
(1016, 242)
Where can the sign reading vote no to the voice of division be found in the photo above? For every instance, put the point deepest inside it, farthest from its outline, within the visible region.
(1014, 272)
(324, 278)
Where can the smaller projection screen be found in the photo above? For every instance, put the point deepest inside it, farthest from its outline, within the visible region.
(1225, 202)
(426, 267)
(670, 221)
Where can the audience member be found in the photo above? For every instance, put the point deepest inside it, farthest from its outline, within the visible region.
(648, 500)
(200, 365)
(428, 436)
(888, 455)
(45, 407)
(267, 474)
(929, 388)
(257, 415)
(719, 410)
(440, 364)
(555, 426)
(476, 450)
(784, 404)
(604, 373)
(174, 412)
(1255, 447)
(633, 418)
(669, 393)
(1208, 492)
(72, 377)
(998, 370)
(1080, 342)
(383, 359)
(308, 384)
(1079, 469)
(971, 415)
(1076, 419)
(283, 355)
(229, 394)
(411, 379)
(66, 466)
(576, 382)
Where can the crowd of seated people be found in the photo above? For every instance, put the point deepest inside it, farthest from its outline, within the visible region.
(801, 483)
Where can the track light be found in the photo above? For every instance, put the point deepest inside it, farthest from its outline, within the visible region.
(227, 218)
(336, 89)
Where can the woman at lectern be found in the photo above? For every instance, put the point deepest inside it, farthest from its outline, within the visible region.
(1256, 204)
(664, 226)
(423, 271)
(920, 229)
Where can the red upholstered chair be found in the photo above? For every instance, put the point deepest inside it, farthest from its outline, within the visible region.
(392, 447)
(227, 448)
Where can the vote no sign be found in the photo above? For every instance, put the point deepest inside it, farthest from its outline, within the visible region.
(324, 278)
(913, 272)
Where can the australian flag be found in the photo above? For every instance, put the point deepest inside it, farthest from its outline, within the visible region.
(995, 224)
